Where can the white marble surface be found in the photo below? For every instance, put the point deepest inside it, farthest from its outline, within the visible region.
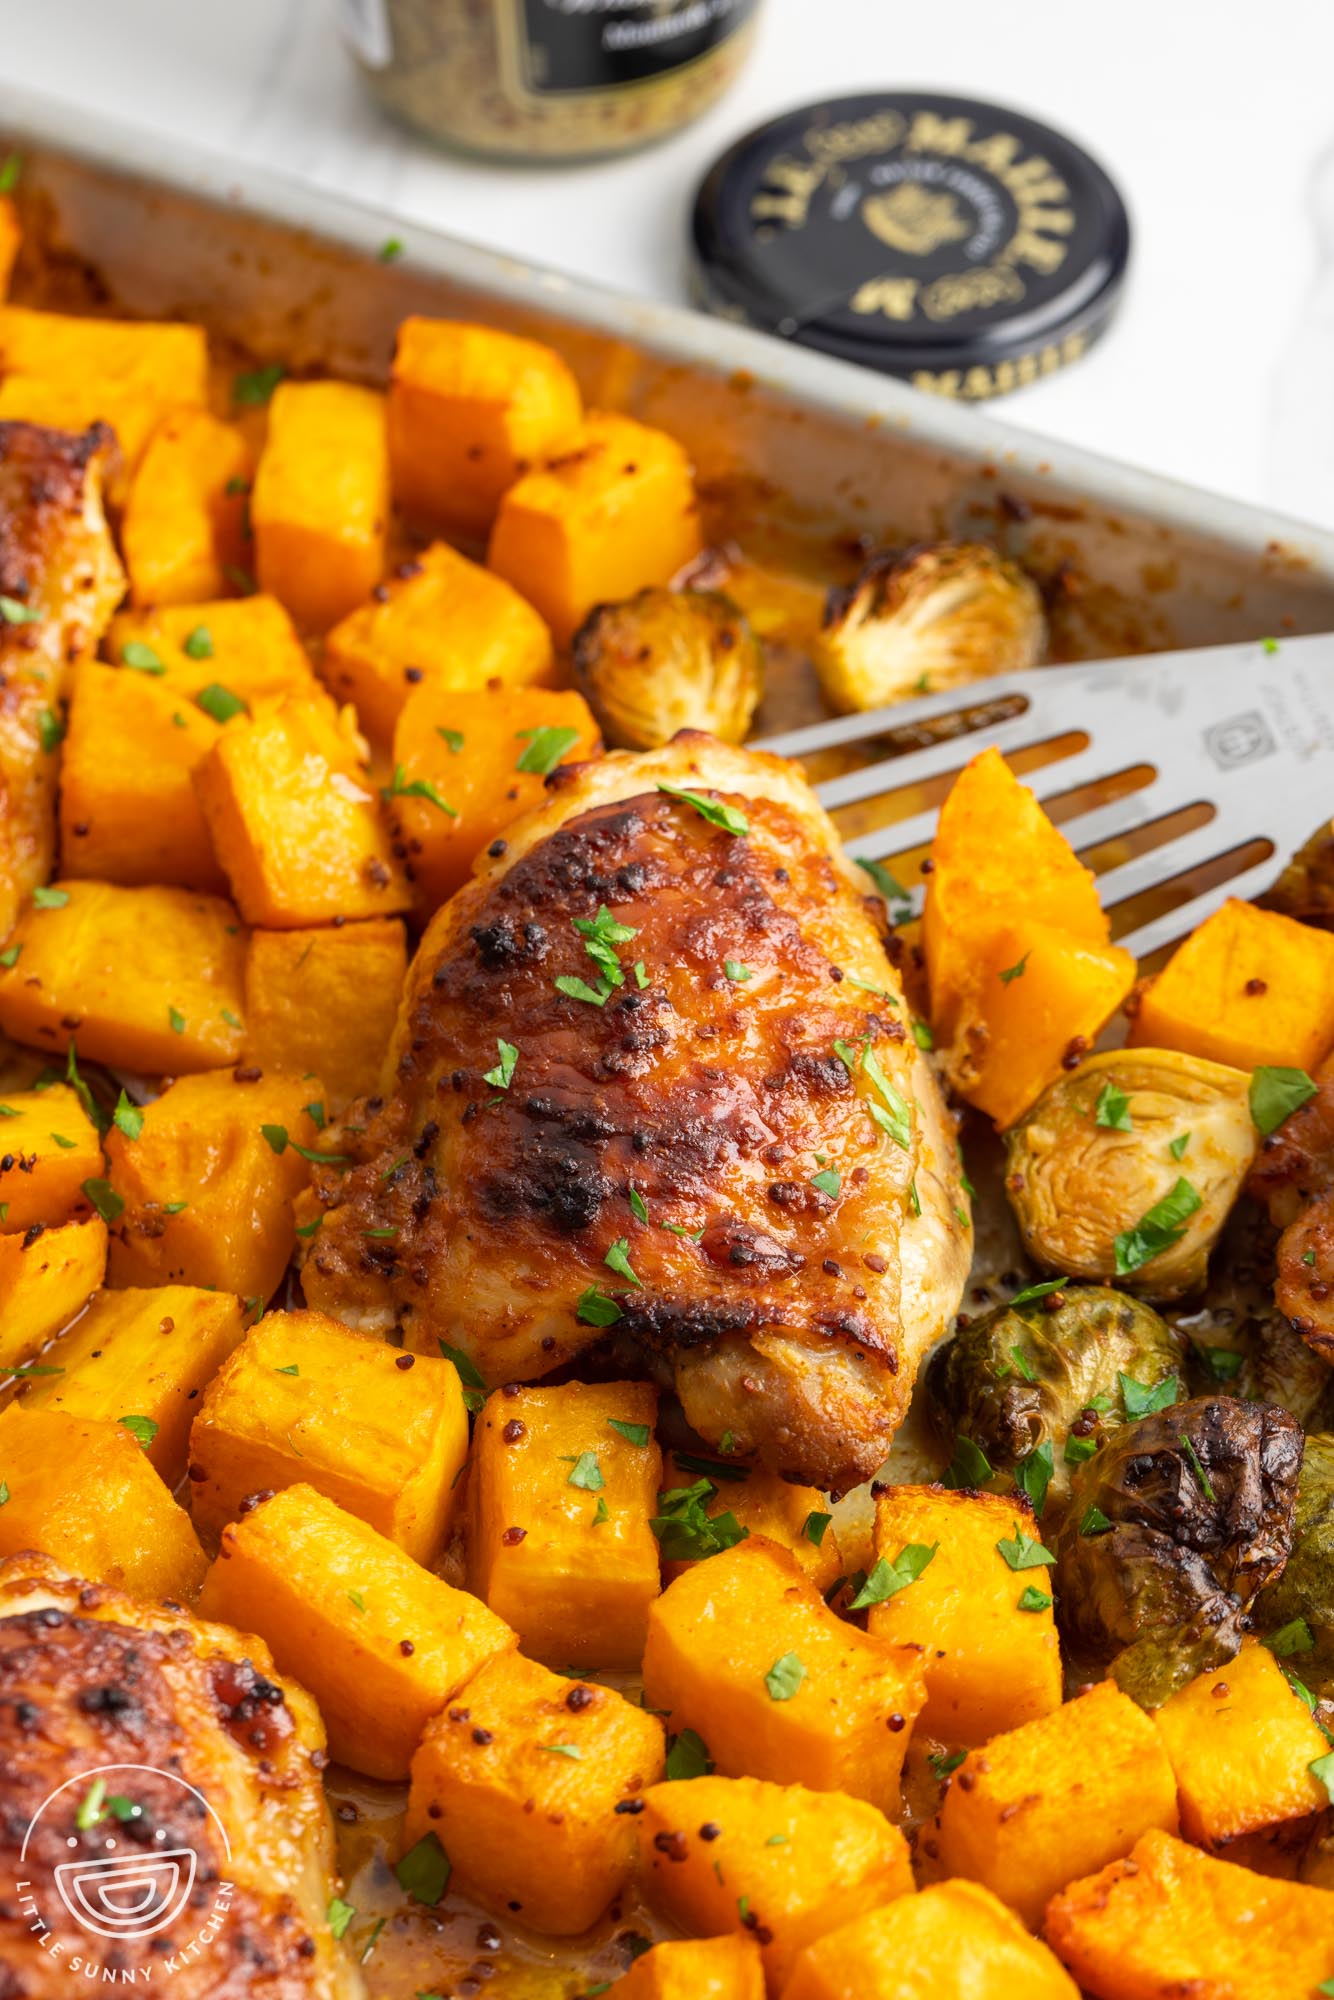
(1212, 114)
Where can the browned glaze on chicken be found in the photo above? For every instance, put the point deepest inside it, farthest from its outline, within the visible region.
(1293, 1176)
(187, 1723)
(651, 1164)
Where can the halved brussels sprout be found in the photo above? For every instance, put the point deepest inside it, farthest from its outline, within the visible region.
(1126, 1169)
(1052, 1370)
(666, 660)
(1171, 1532)
(918, 620)
(1296, 1612)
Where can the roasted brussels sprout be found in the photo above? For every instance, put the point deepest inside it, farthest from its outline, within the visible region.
(1171, 1531)
(666, 660)
(1296, 1612)
(918, 620)
(1127, 1168)
(1050, 1371)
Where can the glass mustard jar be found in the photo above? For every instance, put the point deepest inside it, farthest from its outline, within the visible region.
(545, 80)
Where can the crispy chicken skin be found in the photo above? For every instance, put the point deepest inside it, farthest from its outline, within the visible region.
(1293, 1176)
(89, 1679)
(789, 1315)
(56, 559)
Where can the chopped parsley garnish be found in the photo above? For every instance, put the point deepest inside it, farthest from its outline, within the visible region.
(90, 1805)
(1141, 1401)
(1093, 1522)
(177, 1020)
(1223, 1363)
(104, 1198)
(828, 1182)
(127, 1117)
(942, 1762)
(50, 730)
(66, 1145)
(1024, 1551)
(420, 788)
(1034, 1600)
(389, 250)
(545, 748)
(886, 882)
(1157, 1230)
(1322, 1768)
(10, 171)
(339, 1915)
(1033, 1475)
(635, 1434)
(922, 1035)
(1193, 1461)
(562, 1750)
(815, 1526)
(1022, 1364)
(292, 1368)
(594, 1308)
(638, 1205)
(255, 387)
(219, 702)
(1275, 1094)
(618, 1259)
(311, 1228)
(895, 1117)
(16, 613)
(453, 739)
(280, 1139)
(198, 645)
(46, 898)
(601, 935)
(1177, 1147)
(736, 971)
(969, 1466)
(786, 1675)
(1042, 1291)
(145, 1429)
(887, 1578)
(469, 1374)
(1294, 1637)
(713, 810)
(501, 1077)
(10, 956)
(1112, 1110)
(579, 989)
(355, 1598)
(688, 1756)
(685, 1529)
(587, 1473)
(1078, 1450)
(1016, 971)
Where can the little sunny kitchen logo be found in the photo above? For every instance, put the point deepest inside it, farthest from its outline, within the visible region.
(125, 1879)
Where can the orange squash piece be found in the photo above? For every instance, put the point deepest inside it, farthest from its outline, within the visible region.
(45, 1282)
(1249, 987)
(990, 1664)
(743, 1650)
(86, 1494)
(11, 238)
(144, 979)
(797, 1518)
(184, 525)
(773, 1862)
(577, 1470)
(612, 510)
(486, 756)
(470, 409)
(1241, 1743)
(440, 623)
(320, 506)
(325, 1000)
(1055, 1799)
(1169, 1920)
(294, 822)
(247, 646)
(519, 1779)
(380, 1642)
(721, 1968)
(48, 1148)
(954, 1938)
(207, 1195)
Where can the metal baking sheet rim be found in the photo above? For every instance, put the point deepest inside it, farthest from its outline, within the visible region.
(675, 333)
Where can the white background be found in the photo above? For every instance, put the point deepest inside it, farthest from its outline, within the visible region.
(1211, 114)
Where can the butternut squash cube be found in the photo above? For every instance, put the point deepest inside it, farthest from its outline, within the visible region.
(48, 1148)
(307, 1401)
(294, 823)
(486, 755)
(795, 1517)
(743, 1650)
(440, 623)
(990, 1664)
(86, 1494)
(1241, 1743)
(11, 238)
(721, 1968)
(611, 510)
(1169, 1920)
(1056, 1799)
(144, 979)
(207, 1187)
(576, 1470)
(380, 1642)
(520, 1779)
(145, 1354)
(470, 409)
(184, 523)
(1249, 987)
(45, 1281)
(320, 506)
(246, 646)
(955, 1938)
(326, 1000)
(772, 1862)
(70, 372)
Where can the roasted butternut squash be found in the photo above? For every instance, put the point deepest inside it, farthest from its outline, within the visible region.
(184, 526)
(245, 647)
(146, 979)
(11, 239)
(470, 409)
(796, 1518)
(1249, 987)
(743, 1650)
(520, 1777)
(440, 623)
(721, 1968)
(990, 1656)
(563, 1485)
(954, 1938)
(380, 1642)
(325, 1000)
(145, 1354)
(48, 1148)
(467, 764)
(86, 1494)
(1055, 1799)
(1168, 1920)
(611, 509)
(306, 1401)
(203, 1195)
(46, 1279)
(320, 506)
(772, 1862)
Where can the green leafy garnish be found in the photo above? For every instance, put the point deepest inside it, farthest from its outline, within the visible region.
(219, 702)
(1015, 971)
(10, 171)
(420, 788)
(545, 748)
(198, 645)
(1034, 1600)
(1157, 1230)
(339, 1915)
(594, 1308)
(713, 810)
(254, 387)
(1177, 1147)
(127, 1117)
(1093, 1522)
(887, 1578)
(145, 1429)
(786, 1675)
(1294, 1637)
(828, 1182)
(736, 971)
(1042, 1291)
(1033, 1475)
(562, 1750)
(688, 1756)
(105, 1200)
(887, 883)
(635, 1434)
(1322, 1768)
(16, 613)
(10, 956)
(44, 897)
(587, 1473)
(969, 1466)
(1023, 1365)
(1276, 1093)
(618, 1259)
(390, 250)
(942, 1762)
(1193, 1461)
(50, 730)
(686, 1531)
(1112, 1110)
(501, 1077)
(90, 1805)
(1141, 1401)
(638, 1205)
(922, 1035)
(815, 1526)
(1024, 1551)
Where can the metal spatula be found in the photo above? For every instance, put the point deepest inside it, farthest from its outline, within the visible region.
(1242, 734)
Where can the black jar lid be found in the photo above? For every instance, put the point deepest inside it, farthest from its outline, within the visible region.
(963, 246)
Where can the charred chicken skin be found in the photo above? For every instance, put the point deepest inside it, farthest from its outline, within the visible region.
(654, 1083)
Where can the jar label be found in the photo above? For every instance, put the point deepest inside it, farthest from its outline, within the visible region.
(583, 45)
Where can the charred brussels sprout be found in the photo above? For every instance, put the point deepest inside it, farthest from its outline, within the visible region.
(1171, 1532)
(1296, 1612)
(667, 660)
(1126, 1169)
(923, 619)
(1055, 1370)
